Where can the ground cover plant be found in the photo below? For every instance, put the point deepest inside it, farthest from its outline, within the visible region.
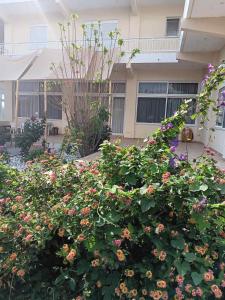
(137, 224)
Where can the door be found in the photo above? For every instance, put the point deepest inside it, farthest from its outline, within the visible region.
(118, 115)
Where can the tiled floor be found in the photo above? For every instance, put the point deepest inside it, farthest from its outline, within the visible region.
(194, 150)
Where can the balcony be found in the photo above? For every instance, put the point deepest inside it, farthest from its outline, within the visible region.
(146, 45)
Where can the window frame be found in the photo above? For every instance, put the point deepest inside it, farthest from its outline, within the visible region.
(179, 26)
(167, 96)
(95, 22)
(39, 94)
(222, 127)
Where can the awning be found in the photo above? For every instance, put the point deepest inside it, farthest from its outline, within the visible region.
(51, 64)
(13, 68)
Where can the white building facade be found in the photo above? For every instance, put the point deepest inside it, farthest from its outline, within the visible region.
(177, 40)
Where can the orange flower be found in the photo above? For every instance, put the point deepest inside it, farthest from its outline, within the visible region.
(161, 284)
(129, 273)
(162, 255)
(160, 228)
(72, 254)
(147, 229)
(13, 256)
(95, 263)
(126, 234)
(133, 293)
(85, 211)
(150, 189)
(84, 222)
(216, 291)
(120, 255)
(156, 295)
(208, 276)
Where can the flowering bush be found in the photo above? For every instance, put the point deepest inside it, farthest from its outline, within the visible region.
(137, 224)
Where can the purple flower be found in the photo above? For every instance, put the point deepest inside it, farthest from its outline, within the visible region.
(169, 126)
(163, 128)
(211, 68)
(172, 148)
(222, 103)
(174, 142)
(223, 94)
(172, 162)
(183, 157)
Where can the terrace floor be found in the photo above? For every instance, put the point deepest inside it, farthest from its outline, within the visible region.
(194, 150)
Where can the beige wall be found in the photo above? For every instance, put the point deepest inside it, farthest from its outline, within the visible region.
(132, 129)
(153, 19)
(150, 22)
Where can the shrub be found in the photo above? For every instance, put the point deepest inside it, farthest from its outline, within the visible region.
(32, 132)
(34, 154)
(137, 224)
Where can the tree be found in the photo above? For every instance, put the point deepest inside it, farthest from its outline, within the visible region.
(85, 78)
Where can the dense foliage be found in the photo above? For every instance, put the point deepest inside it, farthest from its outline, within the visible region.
(137, 224)
(32, 132)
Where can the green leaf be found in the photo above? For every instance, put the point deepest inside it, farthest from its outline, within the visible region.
(72, 284)
(190, 257)
(146, 204)
(178, 243)
(196, 277)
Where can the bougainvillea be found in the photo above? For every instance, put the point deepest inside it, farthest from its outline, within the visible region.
(137, 224)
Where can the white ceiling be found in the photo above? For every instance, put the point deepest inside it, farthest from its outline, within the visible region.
(199, 42)
(208, 8)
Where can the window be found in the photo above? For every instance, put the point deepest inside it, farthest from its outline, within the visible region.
(153, 88)
(158, 100)
(220, 120)
(38, 37)
(2, 105)
(118, 87)
(173, 105)
(173, 26)
(31, 100)
(151, 110)
(183, 88)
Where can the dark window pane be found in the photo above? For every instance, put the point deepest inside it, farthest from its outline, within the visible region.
(151, 110)
(54, 107)
(29, 86)
(183, 88)
(153, 87)
(118, 87)
(28, 106)
(173, 105)
(173, 27)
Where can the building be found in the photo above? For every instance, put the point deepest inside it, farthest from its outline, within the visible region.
(177, 40)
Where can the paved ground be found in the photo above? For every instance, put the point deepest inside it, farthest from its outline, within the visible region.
(194, 150)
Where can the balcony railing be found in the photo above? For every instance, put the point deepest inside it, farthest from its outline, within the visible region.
(146, 45)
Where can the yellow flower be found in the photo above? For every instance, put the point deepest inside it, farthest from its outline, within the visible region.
(120, 255)
(129, 273)
(148, 274)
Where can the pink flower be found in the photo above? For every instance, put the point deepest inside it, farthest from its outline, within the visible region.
(117, 243)
(27, 218)
(52, 176)
(19, 198)
(28, 237)
(71, 212)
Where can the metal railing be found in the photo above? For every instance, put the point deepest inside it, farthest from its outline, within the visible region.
(146, 45)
